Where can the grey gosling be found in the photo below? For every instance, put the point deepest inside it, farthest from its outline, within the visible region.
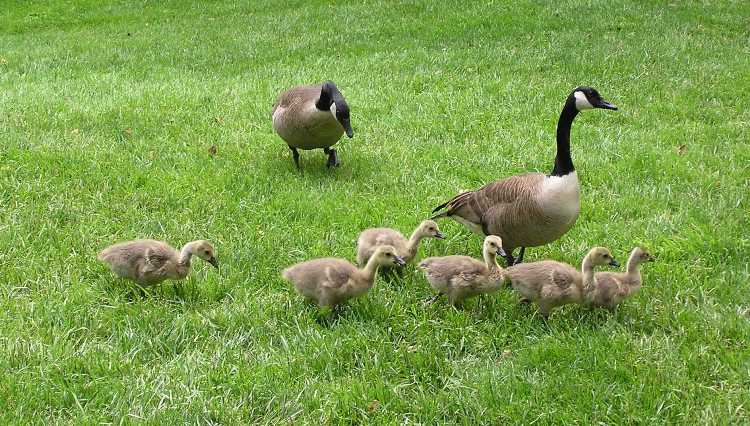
(371, 238)
(332, 281)
(462, 277)
(608, 289)
(311, 117)
(552, 284)
(530, 209)
(149, 262)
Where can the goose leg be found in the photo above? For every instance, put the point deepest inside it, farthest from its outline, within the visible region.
(333, 160)
(509, 259)
(520, 255)
(295, 155)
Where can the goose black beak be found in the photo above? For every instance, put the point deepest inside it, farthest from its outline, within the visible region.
(439, 235)
(398, 260)
(214, 262)
(605, 105)
(347, 127)
(614, 263)
(501, 252)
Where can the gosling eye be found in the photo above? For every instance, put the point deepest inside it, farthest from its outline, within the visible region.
(206, 252)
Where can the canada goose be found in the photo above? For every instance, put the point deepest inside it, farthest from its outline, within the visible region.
(551, 284)
(530, 209)
(462, 277)
(371, 238)
(310, 117)
(608, 289)
(149, 262)
(331, 281)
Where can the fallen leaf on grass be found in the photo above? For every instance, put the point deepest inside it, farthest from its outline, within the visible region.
(213, 150)
(373, 405)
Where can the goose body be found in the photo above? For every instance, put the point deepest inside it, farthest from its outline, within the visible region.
(463, 277)
(530, 209)
(332, 281)
(552, 284)
(312, 117)
(149, 262)
(370, 239)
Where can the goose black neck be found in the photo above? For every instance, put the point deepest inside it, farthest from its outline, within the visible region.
(563, 161)
(329, 94)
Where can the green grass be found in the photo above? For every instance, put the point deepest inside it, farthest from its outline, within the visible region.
(106, 116)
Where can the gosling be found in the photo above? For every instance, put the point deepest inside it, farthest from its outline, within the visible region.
(149, 262)
(608, 289)
(463, 277)
(552, 284)
(329, 282)
(371, 238)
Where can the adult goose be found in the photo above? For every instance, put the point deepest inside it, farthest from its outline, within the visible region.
(311, 117)
(530, 209)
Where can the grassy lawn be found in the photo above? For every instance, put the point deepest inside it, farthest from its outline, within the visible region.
(107, 113)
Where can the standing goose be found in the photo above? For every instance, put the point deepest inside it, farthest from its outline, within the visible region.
(529, 209)
(331, 281)
(462, 277)
(149, 262)
(608, 289)
(311, 117)
(370, 239)
(551, 284)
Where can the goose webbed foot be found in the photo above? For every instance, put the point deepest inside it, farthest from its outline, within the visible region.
(333, 159)
(295, 156)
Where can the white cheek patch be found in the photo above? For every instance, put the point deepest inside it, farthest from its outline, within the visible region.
(333, 108)
(582, 103)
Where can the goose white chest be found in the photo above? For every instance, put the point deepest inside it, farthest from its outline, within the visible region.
(560, 196)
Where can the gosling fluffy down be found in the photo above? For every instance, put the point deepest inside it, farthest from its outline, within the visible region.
(552, 284)
(371, 238)
(609, 289)
(462, 277)
(149, 262)
(332, 281)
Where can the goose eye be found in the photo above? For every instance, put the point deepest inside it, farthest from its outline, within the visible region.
(206, 252)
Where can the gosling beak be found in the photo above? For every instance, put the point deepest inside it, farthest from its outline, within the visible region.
(347, 127)
(651, 259)
(605, 105)
(501, 252)
(398, 260)
(214, 262)
(439, 235)
(614, 263)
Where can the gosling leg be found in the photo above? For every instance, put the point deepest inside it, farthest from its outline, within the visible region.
(432, 299)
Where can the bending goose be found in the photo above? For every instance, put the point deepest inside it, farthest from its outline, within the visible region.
(530, 209)
(311, 117)
(331, 281)
(608, 289)
(462, 277)
(371, 238)
(551, 284)
(149, 262)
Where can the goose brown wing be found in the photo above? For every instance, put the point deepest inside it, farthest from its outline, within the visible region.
(497, 203)
(297, 95)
